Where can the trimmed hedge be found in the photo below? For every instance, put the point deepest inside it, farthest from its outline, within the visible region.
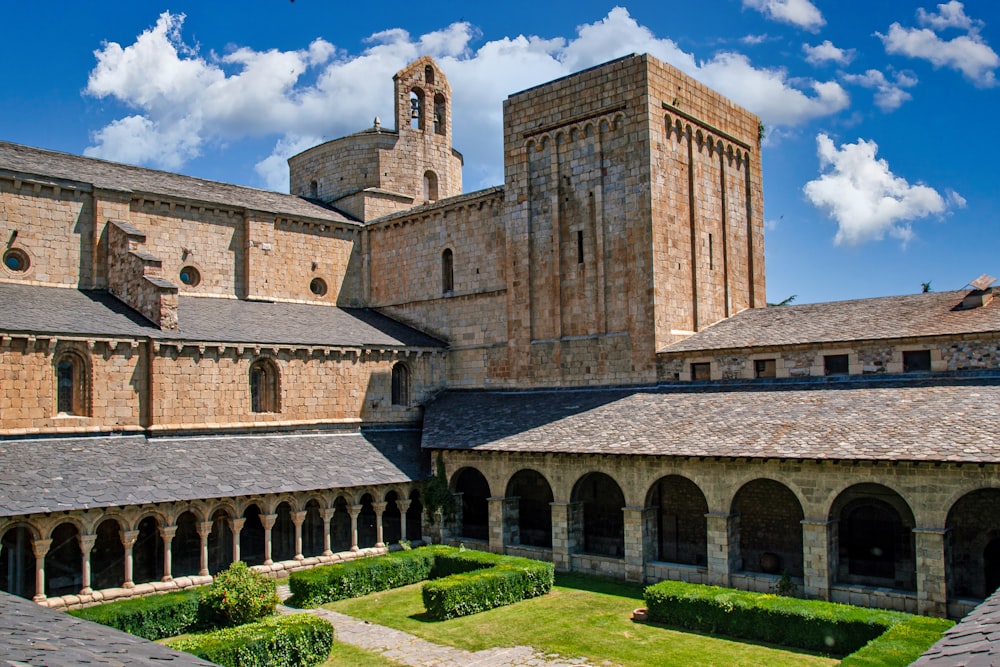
(901, 644)
(510, 580)
(298, 640)
(311, 588)
(152, 617)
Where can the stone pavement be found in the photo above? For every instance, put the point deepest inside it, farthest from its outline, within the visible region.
(407, 649)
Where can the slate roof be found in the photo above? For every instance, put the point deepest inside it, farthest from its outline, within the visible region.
(50, 166)
(55, 474)
(972, 642)
(34, 635)
(892, 317)
(932, 419)
(68, 311)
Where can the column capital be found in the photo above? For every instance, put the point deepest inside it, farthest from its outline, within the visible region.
(355, 510)
(41, 547)
(267, 520)
(168, 532)
(379, 507)
(328, 514)
(87, 542)
(129, 537)
(237, 524)
(298, 518)
(204, 528)
(404, 505)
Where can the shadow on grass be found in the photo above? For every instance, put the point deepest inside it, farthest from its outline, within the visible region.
(424, 617)
(605, 585)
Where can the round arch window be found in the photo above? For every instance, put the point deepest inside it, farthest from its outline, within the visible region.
(190, 276)
(317, 286)
(16, 260)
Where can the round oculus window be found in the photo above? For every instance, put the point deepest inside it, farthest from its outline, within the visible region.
(317, 286)
(190, 276)
(16, 260)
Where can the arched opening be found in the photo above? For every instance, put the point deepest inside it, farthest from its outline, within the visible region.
(534, 510)
(681, 526)
(392, 520)
(63, 562)
(283, 534)
(875, 537)
(770, 518)
(252, 537)
(185, 551)
(415, 518)
(264, 386)
(440, 114)
(17, 563)
(107, 558)
(447, 271)
(475, 511)
(430, 186)
(312, 530)
(602, 501)
(400, 384)
(340, 526)
(72, 384)
(973, 525)
(417, 109)
(367, 523)
(147, 552)
(220, 542)
(314, 189)
(429, 74)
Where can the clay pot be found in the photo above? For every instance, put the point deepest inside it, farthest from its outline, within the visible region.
(770, 562)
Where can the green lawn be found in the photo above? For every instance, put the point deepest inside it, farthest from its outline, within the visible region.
(582, 617)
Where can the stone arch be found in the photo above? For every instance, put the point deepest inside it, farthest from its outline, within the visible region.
(475, 514)
(252, 536)
(392, 519)
(107, 558)
(974, 534)
(265, 386)
(72, 381)
(440, 114)
(681, 526)
(147, 552)
(534, 510)
(220, 541)
(64, 561)
(447, 271)
(283, 533)
(603, 522)
(367, 522)
(17, 561)
(875, 537)
(400, 378)
(185, 550)
(312, 529)
(430, 186)
(341, 530)
(417, 108)
(770, 517)
(415, 517)
(429, 74)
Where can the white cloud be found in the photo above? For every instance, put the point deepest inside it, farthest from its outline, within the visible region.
(968, 53)
(865, 198)
(801, 13)
(753, 40)
(889, 95)
(827, 53)
(183, 102)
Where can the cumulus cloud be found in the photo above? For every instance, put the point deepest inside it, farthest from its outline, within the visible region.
(827, 53)
(182, 102)
(969, 53)
(866, 200)
(889, 95)
(801, 13)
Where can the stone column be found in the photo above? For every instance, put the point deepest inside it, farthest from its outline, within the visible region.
(267, 520)
(355, 512)
(404, 507)
(298, 518)
(128, 541)
(167, 535)
(499, 522)
(40, 547)
(932, 561)
(723, 547)
(639, 541)
(819, 557)
(236, 526)
(86, 546)
(204, 530)
(379, 509)
(327, 518)
(566, 529)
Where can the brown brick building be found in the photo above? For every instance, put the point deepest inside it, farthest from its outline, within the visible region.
(194, 372)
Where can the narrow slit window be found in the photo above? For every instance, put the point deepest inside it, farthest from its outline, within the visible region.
(447, 271)
(400, 385)
(579, 246)
(711, 255)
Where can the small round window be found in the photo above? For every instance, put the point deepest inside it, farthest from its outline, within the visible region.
(190, 276)
(317, 286)
(16, 260)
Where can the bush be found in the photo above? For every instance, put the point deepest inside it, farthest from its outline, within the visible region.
(239, 595)
(901, 644)
(286, 641)
(153, 617)
(311, 588)
(813, 625)
(510, 580)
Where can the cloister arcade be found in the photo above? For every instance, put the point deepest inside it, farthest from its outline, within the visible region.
(65, 559)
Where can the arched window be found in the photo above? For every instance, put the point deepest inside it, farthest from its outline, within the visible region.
(417, 109)
(264, 387)
(430, 186)
(400, 384)
(440, 115)
(314, 189)
(447, 271)
(72, 384)
(429, 74)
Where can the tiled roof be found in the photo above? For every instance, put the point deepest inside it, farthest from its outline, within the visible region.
(949, 419)
(48, 165)
(34, 635)
(60, 310)
(907, 316)
(51, 475)
(973, 642)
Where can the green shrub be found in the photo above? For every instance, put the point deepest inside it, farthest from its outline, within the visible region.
(311, 588)
(510, 580)
(285, 641)
(901, 644)
(239, 595)
(152, 617)
(813, 625)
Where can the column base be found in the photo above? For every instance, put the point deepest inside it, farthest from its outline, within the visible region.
(41, 597)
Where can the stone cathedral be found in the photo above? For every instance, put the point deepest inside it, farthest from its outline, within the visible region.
(195, 373)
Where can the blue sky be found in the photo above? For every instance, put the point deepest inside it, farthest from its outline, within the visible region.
(879, 174)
